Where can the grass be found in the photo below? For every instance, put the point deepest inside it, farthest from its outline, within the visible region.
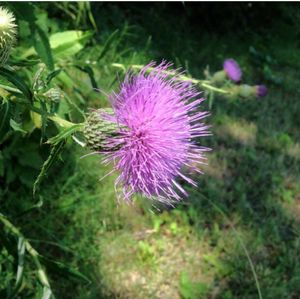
(191, 252)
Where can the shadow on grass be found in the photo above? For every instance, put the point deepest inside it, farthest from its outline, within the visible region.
(254, 188)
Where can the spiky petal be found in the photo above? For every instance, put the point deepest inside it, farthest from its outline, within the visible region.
(8, 30)
(159, 125)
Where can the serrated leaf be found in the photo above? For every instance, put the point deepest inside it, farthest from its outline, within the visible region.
(64, 134)
(13, 78)
(54, 153)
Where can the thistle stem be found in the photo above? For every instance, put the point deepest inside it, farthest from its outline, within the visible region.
(203, 83)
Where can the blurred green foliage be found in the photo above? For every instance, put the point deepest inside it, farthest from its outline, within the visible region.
(89, 246)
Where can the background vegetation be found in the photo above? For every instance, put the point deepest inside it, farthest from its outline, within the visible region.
(247, 203)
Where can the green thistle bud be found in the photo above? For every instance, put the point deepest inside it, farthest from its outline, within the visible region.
(98, 130)
(247, 91)
(8, 30)
(54, 95)
(244, 91)
(219, 77)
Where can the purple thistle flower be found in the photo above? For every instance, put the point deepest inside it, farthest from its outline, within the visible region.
(261, 91)
(159, 121)
(232, 70)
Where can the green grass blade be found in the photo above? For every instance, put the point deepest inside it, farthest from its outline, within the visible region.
(108, 43)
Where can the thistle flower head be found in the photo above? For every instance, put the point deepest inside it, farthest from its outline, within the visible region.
(7, 34)
(158, 121)
(261, 91)
(232, 70)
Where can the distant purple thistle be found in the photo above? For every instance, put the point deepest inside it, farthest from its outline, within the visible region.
(232, 70)
(159, 120)
(261, 91)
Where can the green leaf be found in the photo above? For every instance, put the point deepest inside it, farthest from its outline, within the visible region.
(52, 75)
(23, 62)
(107, 44)
(46, 293)
(68, 43)
(64, 134)
(55, 151)
(21, 256)
(16, 126)
(42, 46)
(17, 81)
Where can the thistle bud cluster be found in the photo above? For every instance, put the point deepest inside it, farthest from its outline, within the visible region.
(232, 74)
(8, 30)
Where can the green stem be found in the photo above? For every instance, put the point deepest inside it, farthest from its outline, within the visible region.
(203, 83)
(33, 253)
(210, 87)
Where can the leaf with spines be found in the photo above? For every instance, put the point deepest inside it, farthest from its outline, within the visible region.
(55, 152)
